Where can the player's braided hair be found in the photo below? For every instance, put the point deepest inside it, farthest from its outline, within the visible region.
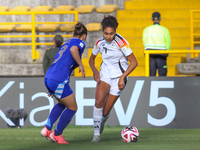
(80, 29)
(109, 21)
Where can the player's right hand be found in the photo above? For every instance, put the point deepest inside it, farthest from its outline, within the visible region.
(82, 70)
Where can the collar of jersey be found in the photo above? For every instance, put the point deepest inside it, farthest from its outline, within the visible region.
(79, 39)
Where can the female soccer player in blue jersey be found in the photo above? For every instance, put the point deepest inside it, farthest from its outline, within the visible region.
(112, 77)
(57, 82)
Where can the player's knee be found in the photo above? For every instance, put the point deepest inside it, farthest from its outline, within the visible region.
(98, 104)
(74, 108)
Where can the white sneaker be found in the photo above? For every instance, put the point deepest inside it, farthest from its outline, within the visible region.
(96, 138)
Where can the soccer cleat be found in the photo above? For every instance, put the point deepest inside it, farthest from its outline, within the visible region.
(96, 138)
(103, 121)
(45, 133)
(58, 139)
(102, 127)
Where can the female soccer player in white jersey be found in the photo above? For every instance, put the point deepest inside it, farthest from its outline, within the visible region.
(112, 77)
(56, 80)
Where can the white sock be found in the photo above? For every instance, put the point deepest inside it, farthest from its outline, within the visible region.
(97, 115)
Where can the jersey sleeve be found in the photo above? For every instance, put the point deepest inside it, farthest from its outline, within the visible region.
(123, 45)
(96, 47)
(77, 43)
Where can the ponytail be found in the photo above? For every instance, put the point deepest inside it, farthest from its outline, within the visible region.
(80, 29)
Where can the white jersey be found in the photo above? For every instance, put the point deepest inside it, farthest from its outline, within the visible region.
(113, 54)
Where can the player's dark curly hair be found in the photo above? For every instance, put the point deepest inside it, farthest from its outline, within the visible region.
(109, 21)
(80, 29)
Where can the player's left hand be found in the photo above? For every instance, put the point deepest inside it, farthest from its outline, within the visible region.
(96, 75)
(50, 95)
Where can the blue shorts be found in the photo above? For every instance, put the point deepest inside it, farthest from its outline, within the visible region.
(60, 90)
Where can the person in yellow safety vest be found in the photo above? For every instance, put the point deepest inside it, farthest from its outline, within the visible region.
(157, 37)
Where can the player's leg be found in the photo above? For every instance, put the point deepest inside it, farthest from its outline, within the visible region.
(102, 91)
(64, 96)
(111, 99)
(55, 112)
(107, 108)
(54, 115)
(162, 66)
(67, 114)
(65, 118)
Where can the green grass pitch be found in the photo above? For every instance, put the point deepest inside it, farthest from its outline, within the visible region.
(79, 138)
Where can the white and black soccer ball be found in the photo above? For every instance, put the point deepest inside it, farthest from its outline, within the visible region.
(130, 134)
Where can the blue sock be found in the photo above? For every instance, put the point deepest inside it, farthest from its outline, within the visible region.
(65, 119)
(55, 113)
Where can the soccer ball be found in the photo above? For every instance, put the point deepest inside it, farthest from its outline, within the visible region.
(130, 134)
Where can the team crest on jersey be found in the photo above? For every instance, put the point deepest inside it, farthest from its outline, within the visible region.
(113, 44)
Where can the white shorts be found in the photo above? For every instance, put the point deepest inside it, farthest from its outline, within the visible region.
(113, 82)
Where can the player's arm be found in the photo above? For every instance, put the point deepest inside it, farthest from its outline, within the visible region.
(75, 54)
(45, 63)
(133, 64)
(94, 69)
